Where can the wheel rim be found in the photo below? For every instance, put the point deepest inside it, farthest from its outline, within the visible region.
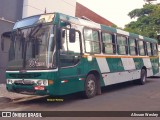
(144, 78)
(91, 87)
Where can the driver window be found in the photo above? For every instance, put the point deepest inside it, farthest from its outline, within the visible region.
(69, 52)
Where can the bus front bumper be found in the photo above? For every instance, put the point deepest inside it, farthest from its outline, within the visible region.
(27, 89)
(29, 86)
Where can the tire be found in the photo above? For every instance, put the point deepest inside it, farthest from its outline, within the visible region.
(143, 78)
(90, 86)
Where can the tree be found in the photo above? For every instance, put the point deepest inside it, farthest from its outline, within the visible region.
(148, 21)
(149, 1)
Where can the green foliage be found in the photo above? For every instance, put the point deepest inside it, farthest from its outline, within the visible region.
(148, 21)
(115, 26)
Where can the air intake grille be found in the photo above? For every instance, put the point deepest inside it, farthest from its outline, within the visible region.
(26, 75)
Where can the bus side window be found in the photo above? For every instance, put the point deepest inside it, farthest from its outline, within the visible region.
(132, 46)
(141, 47)
(108, 43)
(122, 45)
(92, 43)
(154, 49)
(145, 48)
(148, 45)
(69, 52)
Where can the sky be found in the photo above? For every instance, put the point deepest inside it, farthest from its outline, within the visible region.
(115, 11)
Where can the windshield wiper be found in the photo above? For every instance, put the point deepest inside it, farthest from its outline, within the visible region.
(33, 31)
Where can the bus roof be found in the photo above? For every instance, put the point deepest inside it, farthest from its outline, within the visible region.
(92, 24)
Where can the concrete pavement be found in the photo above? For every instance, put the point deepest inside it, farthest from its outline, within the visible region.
(6, 96)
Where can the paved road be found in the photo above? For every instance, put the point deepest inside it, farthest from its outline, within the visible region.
(120, 97)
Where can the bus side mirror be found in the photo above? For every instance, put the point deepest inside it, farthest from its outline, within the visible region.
(72, 35)
(5, 38)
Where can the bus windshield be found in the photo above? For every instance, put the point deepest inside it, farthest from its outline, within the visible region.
(46, 18)
(32, 48)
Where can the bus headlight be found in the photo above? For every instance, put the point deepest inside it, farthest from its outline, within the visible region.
(9, 81)
(45, 82)
(42, 82)
(39, 82)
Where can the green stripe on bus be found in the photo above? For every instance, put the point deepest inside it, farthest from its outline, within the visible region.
(138, 63)
(115, 64)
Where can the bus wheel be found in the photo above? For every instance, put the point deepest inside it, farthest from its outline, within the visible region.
(143, 78)
(90, 86)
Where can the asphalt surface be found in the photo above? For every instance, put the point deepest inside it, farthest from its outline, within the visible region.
(4, 94)
(120, 97)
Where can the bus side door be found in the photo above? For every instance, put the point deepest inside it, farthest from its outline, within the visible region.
(71, 66)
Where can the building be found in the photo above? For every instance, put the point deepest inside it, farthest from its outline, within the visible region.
(13, 10)
(10, 12)
(91, 15)
(30, 7)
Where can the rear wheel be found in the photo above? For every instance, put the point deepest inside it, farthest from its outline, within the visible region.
(143, 78)
(90, 86)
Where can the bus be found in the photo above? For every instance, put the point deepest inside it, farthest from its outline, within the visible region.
(57, 54)
(158, 74)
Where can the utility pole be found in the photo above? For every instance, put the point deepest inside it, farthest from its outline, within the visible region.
(45, 11)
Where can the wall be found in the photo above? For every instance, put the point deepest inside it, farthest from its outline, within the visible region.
(10, 12)
(33, 7)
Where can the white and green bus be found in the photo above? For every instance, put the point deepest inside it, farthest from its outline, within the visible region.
(56, 54)
(158, 74)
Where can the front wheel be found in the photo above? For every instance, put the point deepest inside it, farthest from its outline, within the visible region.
(90, 86)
